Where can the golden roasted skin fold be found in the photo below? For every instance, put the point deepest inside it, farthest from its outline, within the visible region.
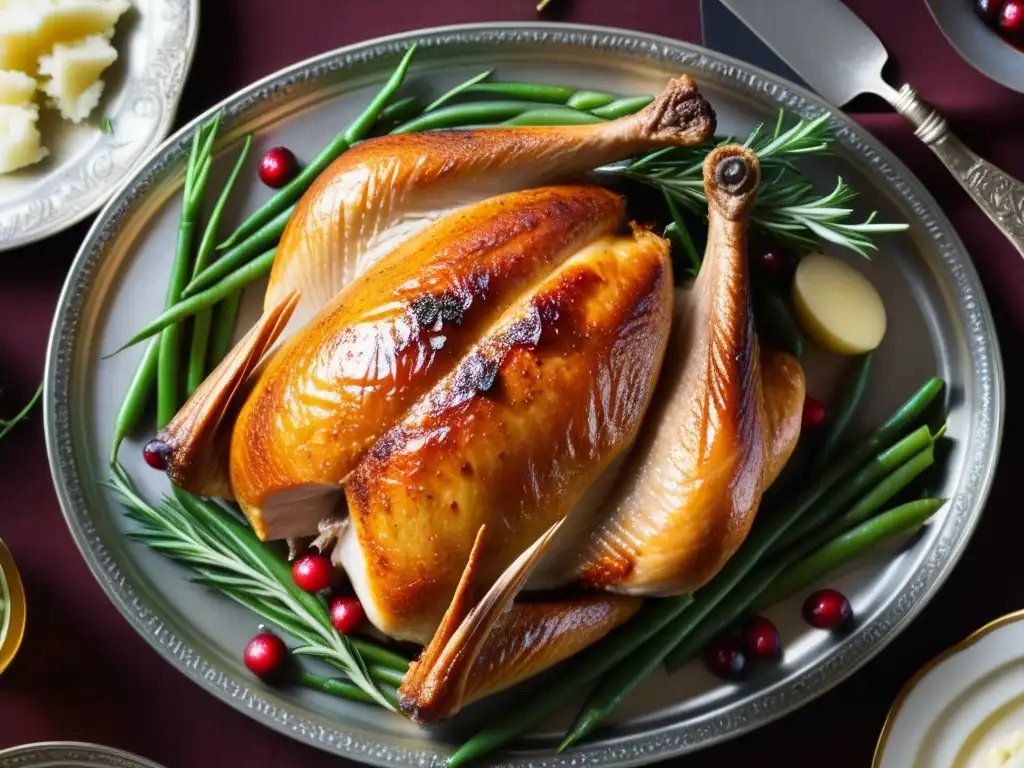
(721, 426)
(513, 435)
(331, 392)
(384, 190)
(198, 436)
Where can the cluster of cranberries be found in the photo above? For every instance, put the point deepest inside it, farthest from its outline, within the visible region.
(1006, 17)
(729, 657)
(266, 652)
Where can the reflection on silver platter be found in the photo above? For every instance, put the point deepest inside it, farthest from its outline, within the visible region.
(939, 324)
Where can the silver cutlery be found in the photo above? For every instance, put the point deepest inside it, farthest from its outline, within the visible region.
(839, 56)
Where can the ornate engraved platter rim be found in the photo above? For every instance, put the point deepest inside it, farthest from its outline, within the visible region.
(72, 193)
(57, 754)
(759, 708)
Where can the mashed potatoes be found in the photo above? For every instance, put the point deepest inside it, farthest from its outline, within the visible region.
(59, 48)
(1008, 753)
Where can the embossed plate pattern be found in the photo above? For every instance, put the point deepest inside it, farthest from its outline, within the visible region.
(155, 41)
(939, 323)
(69, 754)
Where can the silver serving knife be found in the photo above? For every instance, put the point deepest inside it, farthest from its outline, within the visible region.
(808, 35)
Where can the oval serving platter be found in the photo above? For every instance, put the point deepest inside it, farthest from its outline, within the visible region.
(155, 40)
(939, 324)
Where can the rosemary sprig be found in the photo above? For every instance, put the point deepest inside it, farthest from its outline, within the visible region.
(226, 556)
(786, 206)
(6, 425)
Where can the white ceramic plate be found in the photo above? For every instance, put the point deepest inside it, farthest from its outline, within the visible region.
(155, 41)
(961, 703)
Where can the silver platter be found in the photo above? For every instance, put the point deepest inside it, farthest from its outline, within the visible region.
(939, 324)
(69, 754)
(155, 41)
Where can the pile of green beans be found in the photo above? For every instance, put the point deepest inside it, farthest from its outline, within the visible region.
(844, 480)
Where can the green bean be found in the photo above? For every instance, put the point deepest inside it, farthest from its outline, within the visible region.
(136, 398)
(552, 116)
(293, 189)
(576, 675)
(885, 463)
(622, 107)
(739, 598)
(874, 499)
(588, 100)
(456, 115)
(846, 405)
(340, 688)
(201, 326)
(450, 94)
(382, 673)
(267, 237)
(625, 676)
(168, 398)
(536, 92)
(374, 653)
(776, 324)
(847, 546)
(206, 245)
(224, 327)
(237, 280)
(398, 111)
(196, 370)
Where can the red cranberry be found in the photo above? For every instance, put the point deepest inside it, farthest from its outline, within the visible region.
(265, 654)
(1011, 20)
(312, 573)
(827, 609)
(346, 614)
(761, 638)
(725, 659)
(814, 413)
(156, 453)
(278, 167)
(771, 262)
(988, 9)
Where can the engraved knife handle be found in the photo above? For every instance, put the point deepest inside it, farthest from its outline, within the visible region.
(997, 193)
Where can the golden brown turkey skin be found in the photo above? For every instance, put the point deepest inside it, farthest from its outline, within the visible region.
(370, 201)
(725, 419)
(514, 435)
(330, 393)
(384, 190)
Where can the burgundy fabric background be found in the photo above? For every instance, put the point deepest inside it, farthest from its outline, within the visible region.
(84, 674)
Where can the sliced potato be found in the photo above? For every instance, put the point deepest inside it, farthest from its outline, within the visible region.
(837, 306)
(20, 143)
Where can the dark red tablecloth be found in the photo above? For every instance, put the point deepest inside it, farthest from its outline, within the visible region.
(83, 674)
